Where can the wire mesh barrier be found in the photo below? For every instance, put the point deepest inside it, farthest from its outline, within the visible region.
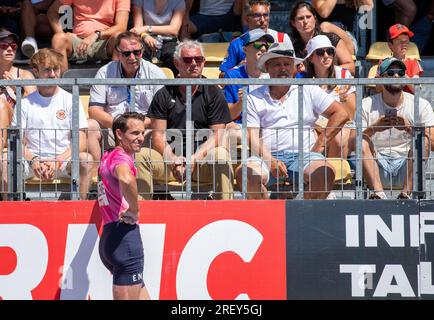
(235, 167)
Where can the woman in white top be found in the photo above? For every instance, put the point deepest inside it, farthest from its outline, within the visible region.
(8, 49)
(159, 23)
(320, 62)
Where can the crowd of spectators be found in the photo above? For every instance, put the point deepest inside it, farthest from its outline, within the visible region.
(134, 39)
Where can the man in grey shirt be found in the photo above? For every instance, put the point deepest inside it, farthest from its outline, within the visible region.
(108, 101)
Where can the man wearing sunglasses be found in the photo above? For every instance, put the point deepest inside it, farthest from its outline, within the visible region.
(272, 123)
(210, 114)
(255, 43)
(108, 101)
(388, 119)
(257, 15)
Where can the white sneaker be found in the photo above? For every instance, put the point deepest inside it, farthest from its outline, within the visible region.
(29, 47)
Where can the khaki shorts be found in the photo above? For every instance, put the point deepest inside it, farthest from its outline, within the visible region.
(98, 51)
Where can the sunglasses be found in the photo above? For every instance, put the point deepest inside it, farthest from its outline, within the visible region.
(322, 51)
(258, 45)
(259, 15)
(126, 54)
(5, 45)
(189, 60)
(392, 72)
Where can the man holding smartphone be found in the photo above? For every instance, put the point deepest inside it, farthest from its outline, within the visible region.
(388, 120)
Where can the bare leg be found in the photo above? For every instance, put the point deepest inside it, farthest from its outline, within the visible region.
(134, 292)
(3, 176)
(28, 19)
(256, 180)
(371, 171)
(86, 164)
(94, 144)
(62, 42)
(320, 176)
(339, 146)
(405, 11)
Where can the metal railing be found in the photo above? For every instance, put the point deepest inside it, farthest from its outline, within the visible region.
(15, 189)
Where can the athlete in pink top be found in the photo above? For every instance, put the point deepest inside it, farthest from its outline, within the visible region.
(111, 201)
(120, 246)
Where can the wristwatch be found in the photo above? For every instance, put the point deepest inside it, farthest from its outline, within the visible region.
(149, 29)
(98, 35)
(33, 160)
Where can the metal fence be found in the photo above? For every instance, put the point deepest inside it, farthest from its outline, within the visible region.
(422, 171)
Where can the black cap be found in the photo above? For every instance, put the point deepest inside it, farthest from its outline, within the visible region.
(5, 34)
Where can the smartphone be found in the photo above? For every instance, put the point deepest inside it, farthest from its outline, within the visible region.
(391, 112)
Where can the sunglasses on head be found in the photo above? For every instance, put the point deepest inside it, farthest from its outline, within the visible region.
(189, 60)
(126, 54)
(322, 51)
(258, 45)
(392, 72)
(5, 45)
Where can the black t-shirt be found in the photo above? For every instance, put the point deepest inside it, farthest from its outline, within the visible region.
(300, 46)
(343, 16)
(209, 107)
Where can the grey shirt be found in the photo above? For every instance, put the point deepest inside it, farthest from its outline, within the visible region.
(115, 99)
(150, 17)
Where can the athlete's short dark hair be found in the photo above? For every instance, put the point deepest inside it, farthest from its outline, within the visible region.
(120, 122)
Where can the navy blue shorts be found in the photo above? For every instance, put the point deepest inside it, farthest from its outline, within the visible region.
(121, 251)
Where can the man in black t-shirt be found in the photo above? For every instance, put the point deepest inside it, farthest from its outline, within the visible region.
(210, 114)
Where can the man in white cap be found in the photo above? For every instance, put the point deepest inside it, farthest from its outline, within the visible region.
(257, 16)
(272, 121)
(388, 120)
(255, 43)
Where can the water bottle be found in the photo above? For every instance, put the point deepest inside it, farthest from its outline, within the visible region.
(159, 45)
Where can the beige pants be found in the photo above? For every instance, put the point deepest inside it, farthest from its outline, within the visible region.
(214, 169)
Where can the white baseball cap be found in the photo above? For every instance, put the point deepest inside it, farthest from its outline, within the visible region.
(278, 50)
(318, 42)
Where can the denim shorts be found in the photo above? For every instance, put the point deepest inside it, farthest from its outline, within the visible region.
(392, 169)
(290, 159)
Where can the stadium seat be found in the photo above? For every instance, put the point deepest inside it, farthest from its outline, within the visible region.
(85, 102)
(167, 72)
(373, 71)
(211, 72)
(380, 50)
(215, 52)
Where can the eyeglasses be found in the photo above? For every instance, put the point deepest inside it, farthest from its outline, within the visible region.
(189, 60)
(258, 45)
(392, 72)
(322, 51)
(5, 45)
(259, 15)
(126, 54)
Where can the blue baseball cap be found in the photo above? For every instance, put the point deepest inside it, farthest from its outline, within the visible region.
(256, 34)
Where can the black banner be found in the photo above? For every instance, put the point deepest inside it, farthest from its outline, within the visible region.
(367, 249)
